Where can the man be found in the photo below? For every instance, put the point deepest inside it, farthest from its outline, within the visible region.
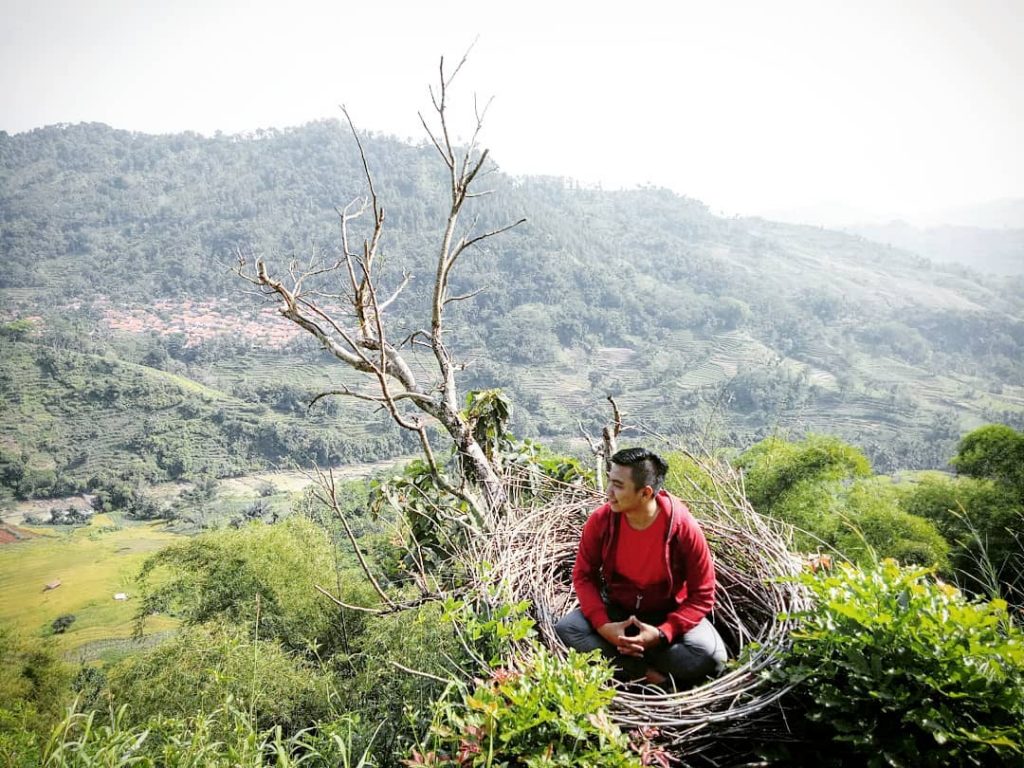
(645, 581)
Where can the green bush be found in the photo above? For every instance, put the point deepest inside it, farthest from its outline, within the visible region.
(774, 467)
(877, 527)
(825, 489)
(994, 451)
(803, 483)
(686, 478)
(895, 668)
(202, 666)
(420, 639)
(34, 687)
(982, 520)
(219, 576)
(546, 712)
(549, 713)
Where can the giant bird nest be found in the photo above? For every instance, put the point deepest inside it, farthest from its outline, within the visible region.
(533, 548)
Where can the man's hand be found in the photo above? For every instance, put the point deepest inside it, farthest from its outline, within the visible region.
(615, 632)
(632, 637)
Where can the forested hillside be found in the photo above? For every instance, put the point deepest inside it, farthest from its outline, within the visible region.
(131, 353)
(119, 247)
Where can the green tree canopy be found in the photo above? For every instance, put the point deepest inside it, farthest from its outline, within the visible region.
(220, 576)
(825, 488)
(994, 451)
(981, 520)
(800, 482)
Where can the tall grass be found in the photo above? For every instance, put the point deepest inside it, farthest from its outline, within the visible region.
(223, 738)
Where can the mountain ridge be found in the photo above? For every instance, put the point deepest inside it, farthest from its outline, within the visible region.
(92, 217)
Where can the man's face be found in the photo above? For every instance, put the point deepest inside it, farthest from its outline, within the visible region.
(623, 494)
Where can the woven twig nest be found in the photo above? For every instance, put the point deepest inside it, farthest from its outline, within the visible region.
(533, 548)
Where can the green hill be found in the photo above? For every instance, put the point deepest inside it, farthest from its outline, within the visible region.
(121, 245)
(73, 418)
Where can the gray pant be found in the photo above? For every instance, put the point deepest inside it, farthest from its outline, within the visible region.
(695, 656)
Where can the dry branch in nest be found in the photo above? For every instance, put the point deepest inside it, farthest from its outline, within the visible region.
(533, 549)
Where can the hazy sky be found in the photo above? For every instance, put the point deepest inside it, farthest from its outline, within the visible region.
(751, 106)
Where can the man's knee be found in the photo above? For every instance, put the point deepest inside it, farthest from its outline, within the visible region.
(563, 630)
(699, 654)
(573, 629)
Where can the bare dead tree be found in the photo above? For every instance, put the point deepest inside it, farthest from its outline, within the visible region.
(357, 333)
(609, 444)
(610, 436)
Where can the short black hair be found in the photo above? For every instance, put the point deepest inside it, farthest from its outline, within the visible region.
(647, 468)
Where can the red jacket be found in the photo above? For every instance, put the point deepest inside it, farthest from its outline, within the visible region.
(691, 571)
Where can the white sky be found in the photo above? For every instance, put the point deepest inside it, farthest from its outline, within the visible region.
(753, 106)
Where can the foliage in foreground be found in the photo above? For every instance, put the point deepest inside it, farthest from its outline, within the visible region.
(825, 488)
(546, 712)
(549, 713)
(203, 665)
(225, 737)
(982, 519)
(34, 685)
(309, 660)
(221, 575)
(895, 668)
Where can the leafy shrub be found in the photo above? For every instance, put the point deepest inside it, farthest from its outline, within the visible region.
(825, 489)
(61, 623)
(894, 668)
(549, 713)
(686, 478)
(217, 576)
(19, 746)
(33, 692)
(774, 466)
(203, 666)
(802, 483)
(995, 451)
(982, 520)
(877, 527)
(420, 638)
(17, 330)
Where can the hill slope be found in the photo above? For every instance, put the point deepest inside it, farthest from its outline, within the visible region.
(744, 324)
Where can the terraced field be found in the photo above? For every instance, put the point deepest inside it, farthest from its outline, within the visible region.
(612, 359)
(683, 343)
(83, 427)
(84, 415)
(92, 563)
(79, 413)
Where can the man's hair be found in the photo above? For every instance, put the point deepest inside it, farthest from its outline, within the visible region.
(646, 467)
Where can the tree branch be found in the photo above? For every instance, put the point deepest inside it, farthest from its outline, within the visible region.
(346, 392)
(358, 334)
(464, 244)
(406, 276)
(464, 296)
(330, 497)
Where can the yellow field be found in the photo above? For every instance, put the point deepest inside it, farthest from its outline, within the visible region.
(295, 481)
(93, 563)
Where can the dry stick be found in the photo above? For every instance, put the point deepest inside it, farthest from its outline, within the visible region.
(397, 607)
(610, 435)
(328, 485)
(418, 672)
(342, 604)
